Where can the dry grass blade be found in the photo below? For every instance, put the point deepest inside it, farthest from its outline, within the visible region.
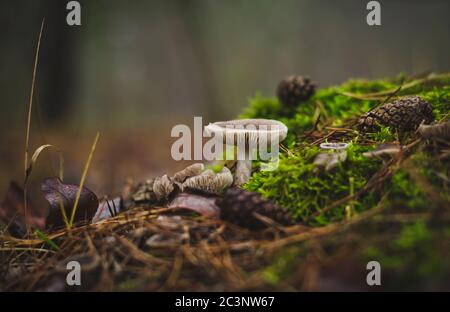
(15, 249)
(30, 109)
(83, 178)
(63, 213)
(30, 104)
(35, 157)
(33, 161)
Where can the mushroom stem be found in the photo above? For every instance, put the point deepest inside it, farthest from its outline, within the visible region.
(243, 171)
(246, 135)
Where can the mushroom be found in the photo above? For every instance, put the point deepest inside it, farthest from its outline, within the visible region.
(209, 181)
(193, 177)
(162, 187)
(248, 135)
(188, 172)
(330, 160)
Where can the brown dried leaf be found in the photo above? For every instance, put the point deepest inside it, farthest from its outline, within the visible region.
(57, 193)
(202, 205)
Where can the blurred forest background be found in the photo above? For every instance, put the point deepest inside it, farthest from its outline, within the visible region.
(134, 69)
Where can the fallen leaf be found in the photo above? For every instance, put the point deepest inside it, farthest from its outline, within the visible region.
(12, 210)
(199, 204)
(108, 208)
(57, 194)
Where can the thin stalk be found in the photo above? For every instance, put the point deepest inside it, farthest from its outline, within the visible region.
(30, 108)
(83, 178)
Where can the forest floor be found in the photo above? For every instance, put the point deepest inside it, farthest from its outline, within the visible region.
(392, 208)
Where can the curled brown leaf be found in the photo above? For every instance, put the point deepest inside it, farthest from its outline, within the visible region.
(60, 195)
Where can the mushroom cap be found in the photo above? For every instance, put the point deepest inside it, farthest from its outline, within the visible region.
(210, 181)
(248, 130)
(334, 146)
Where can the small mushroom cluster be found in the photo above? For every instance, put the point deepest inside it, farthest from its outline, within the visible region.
(194, 177)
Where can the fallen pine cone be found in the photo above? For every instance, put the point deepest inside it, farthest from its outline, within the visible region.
(404, 114)
(242, 208)
(295, 89)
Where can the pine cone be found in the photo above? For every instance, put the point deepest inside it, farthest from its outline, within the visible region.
(238, 206)
(295, 89)
(404, 114)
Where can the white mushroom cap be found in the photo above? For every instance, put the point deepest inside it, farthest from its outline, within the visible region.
(248, 130)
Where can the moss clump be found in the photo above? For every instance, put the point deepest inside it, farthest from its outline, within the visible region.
(405, 193)
(283, 266)
(298, 187)
(332, 102)
(305, 193)
(336, 106)
(439, 98)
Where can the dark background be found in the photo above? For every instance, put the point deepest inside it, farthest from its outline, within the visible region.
(134, 69)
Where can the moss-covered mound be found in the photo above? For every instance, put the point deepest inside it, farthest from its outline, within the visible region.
(330, 115)
(407, 195)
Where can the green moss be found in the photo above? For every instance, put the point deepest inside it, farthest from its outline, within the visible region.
(412, 235)
(439, 97)
(417, 252)
(282, 266)
(385, 134)
(331, 101)
(413, 251)
(405, 193)
(297, 186)
(336, 108)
